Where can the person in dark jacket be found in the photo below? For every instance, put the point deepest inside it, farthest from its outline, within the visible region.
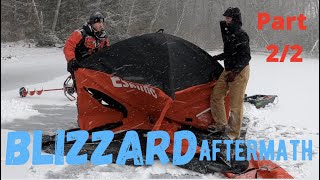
(234, 78)
(86, 41)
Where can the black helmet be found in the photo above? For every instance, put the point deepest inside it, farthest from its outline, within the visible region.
(96, 17)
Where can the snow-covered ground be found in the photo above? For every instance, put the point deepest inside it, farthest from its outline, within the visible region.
(21, 65)
(296, 115)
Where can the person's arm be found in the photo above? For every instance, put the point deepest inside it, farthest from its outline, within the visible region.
(228, 52)
(242, 50)
(243, 47)
(220, 57)
(71, 43)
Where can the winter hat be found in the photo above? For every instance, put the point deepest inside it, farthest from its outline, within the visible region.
(96, 17)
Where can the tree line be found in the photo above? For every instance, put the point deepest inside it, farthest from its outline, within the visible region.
(52, 21)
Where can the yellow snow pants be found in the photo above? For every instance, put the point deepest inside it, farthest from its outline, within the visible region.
(237, 90)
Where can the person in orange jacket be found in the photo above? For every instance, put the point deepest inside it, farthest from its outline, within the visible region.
(85, 41)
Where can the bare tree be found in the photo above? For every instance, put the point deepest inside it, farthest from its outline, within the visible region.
(56, 15)
(181, 18)
(130, 16)
(155, 16)
(38, 16)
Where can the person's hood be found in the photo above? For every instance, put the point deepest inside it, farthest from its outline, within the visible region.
(88, 29)
(236, 17)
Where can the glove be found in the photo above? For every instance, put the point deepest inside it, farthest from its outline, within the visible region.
(215, 58)
(73, 65)
(231, 76)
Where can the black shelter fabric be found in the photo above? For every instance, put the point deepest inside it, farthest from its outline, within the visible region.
(158, 59)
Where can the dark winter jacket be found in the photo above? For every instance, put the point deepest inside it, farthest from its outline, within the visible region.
(236, 52)
(84, 42)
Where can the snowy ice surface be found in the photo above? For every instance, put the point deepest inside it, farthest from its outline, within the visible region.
(13, 109)
(296, 115)
(29, 65)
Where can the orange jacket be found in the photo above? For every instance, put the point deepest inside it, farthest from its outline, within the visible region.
(83, 43)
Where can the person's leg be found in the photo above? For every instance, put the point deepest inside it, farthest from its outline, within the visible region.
(217, 103)
(237, 91)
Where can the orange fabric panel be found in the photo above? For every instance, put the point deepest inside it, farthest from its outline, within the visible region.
(263, 169)
(141, 111)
